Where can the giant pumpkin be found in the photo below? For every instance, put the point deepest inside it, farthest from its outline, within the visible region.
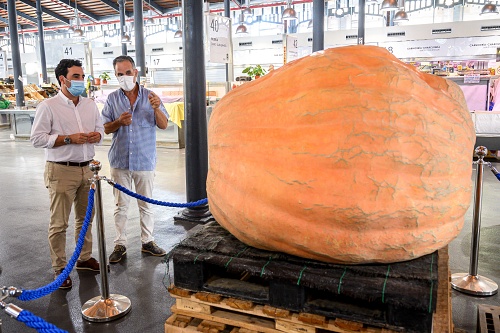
(345, 156)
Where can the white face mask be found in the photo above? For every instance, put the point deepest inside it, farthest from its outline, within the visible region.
(126, 82)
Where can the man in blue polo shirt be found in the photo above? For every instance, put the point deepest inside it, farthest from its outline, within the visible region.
(132, 114)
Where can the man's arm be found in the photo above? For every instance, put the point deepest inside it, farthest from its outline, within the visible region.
(161, 118)
(159, 109)
(125, 119)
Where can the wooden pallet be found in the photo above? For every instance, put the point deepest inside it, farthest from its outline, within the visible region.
(183, 321)
(193, 308)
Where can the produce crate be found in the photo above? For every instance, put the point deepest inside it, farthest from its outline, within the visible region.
(401, 297)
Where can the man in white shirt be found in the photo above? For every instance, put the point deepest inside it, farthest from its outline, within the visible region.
(68, 126)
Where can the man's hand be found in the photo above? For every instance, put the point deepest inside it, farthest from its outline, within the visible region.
(94, 137)
(125, 118)
(154, 100)
(79, 138)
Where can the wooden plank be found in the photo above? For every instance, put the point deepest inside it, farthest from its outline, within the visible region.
(442, 320)
(207, 326)
(179, 291)
(187, 304)
(239, 304)
(313, 319)
(233, 319)
(171, 325)
(333, 325)
(276, 312)
(289, 327)
(208, 297)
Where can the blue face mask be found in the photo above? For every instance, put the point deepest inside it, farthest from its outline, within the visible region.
(77, 88)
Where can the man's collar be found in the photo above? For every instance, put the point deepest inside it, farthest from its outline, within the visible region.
(66, 99)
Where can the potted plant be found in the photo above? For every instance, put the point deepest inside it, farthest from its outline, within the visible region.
(254, 71)
(105, 77)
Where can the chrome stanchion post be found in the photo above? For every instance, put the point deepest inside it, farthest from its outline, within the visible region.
(472, 283)
(106, 307)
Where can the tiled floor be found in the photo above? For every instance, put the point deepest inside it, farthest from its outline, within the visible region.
(24, 255)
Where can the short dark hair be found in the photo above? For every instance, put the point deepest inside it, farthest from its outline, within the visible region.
(123, 58)
(62, 67)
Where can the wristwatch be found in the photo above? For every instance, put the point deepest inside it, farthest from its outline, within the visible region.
(67, 140)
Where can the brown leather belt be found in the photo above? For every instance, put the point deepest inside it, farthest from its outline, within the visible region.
(77, 164)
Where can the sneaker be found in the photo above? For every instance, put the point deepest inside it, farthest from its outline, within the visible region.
(118, 253)
(153, 249)
(66, 284)
(89, 265)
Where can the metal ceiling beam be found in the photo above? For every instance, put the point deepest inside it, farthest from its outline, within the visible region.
(80, 9)
(111, 4)
(157, 7)
(46, 11)
(21, 14)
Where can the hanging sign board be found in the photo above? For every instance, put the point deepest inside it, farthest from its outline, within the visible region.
(292, 48)
(421, 48)
(166, 61)
(218, 38)
(74, 51)
(3, 64)
(472, 46)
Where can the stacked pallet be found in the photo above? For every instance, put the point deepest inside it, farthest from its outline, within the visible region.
(214, 313)
(218, 279)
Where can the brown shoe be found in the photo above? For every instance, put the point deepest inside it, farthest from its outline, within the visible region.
(89, 265)
(66, 284)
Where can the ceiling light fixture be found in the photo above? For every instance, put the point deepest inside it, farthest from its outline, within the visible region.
(178, 33)
(389, 5)
(125, 36)
(77, 27)
(247, 11)
(289, 14)
(126, 39)
(489, 9)
(150, 20)
(242, 28)
(400, 16)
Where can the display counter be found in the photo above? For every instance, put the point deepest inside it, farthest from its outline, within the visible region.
(20, 121)
(487, 126)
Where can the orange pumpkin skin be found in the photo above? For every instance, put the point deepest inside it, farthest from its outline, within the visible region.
(345, 156)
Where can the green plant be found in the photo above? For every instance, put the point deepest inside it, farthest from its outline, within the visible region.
(105, 76)
(254, 71)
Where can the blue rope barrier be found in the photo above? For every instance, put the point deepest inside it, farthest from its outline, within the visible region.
(28, 295)
(38, 323)
(156, 202)
(495, 171)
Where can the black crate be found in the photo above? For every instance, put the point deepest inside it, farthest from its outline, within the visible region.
(399, 296)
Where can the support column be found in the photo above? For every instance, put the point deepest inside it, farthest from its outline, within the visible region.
(41, 40)
(229, 68)
(16, 54)
(121, 7)
(195, 112)
(361, 22)
(140, 56)
(318, 25)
